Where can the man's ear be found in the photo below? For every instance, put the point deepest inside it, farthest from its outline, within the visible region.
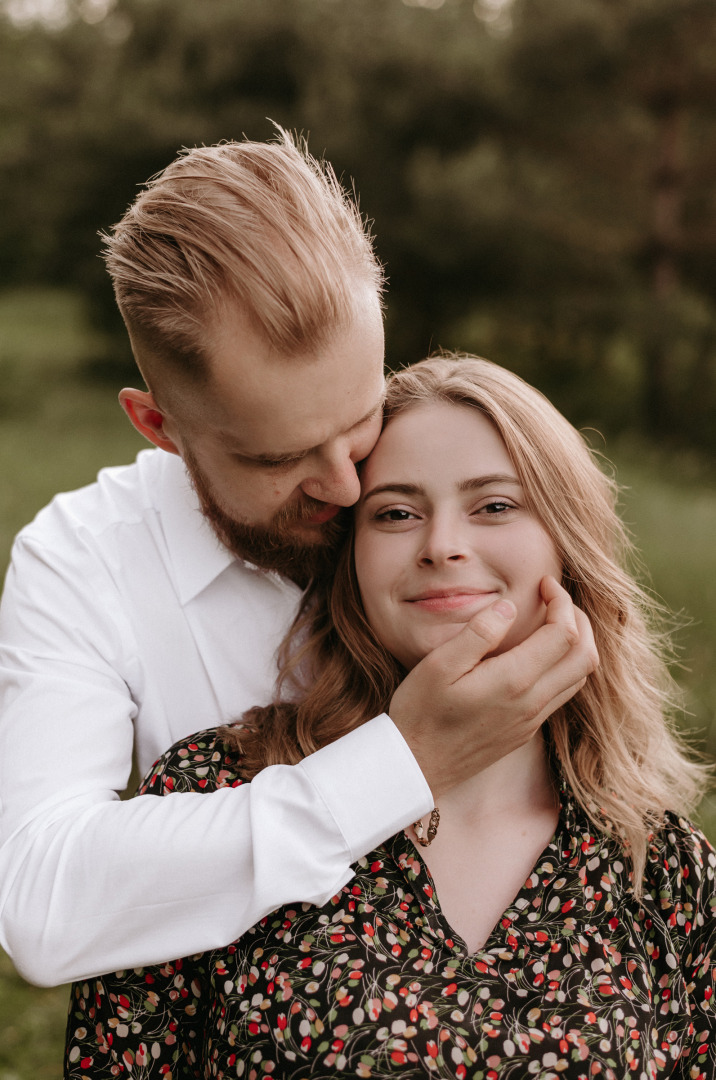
(147, 418)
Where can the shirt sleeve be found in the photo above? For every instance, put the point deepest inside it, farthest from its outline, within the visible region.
(151, 1019)
(89, 883)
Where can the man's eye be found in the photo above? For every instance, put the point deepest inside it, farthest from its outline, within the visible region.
(279, 463)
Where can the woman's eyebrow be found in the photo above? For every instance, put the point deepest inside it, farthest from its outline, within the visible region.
(472, 484)
(486, 481)
(395, 488)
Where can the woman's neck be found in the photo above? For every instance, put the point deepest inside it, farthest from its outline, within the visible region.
(518, 783)
(492, 830)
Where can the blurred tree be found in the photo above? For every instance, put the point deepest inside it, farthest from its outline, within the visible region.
(614, 98)
(539, 177)
(376, 83)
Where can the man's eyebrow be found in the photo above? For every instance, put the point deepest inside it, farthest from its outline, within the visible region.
(473, 484)
(296, 455)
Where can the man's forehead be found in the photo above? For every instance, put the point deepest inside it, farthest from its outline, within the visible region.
(265, 404)
(280, 443)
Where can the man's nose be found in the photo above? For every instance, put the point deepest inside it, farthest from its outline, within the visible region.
(335, 481)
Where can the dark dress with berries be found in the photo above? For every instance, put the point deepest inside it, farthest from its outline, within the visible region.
(577, 980)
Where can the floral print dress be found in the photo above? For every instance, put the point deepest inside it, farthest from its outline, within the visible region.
(578, 979)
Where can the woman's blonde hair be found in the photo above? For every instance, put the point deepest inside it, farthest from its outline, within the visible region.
(614, 740)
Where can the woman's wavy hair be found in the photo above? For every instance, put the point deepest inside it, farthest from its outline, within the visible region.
(614, 741)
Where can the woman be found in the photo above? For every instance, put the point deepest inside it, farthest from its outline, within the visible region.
(557, 917)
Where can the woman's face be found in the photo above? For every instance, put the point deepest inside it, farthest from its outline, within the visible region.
(442, 531)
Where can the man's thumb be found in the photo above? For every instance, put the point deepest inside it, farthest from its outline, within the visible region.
(480, 636)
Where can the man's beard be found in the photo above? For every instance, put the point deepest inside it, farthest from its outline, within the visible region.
(274, 546)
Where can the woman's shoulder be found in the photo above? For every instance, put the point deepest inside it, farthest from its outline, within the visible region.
(205, 761)
(681, 865)
(680, 835)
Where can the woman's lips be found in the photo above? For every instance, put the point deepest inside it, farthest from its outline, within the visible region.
(452, 599)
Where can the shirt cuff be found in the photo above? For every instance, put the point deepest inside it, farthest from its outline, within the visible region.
(371, 784)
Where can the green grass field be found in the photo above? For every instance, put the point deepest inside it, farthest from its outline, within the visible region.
(56, 430)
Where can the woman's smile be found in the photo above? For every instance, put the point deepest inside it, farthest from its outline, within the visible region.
(443, 530)
(453, 598)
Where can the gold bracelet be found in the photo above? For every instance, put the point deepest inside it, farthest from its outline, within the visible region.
(423, 840)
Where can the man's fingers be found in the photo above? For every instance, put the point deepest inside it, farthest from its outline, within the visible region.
(557, 702)
(547, 668)
(463, 707)
(565, 630)
(544, 689)
(481, 635)
(582, 658)
(569, 674)
(560, 608)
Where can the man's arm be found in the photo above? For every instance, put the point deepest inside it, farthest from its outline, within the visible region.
(91, 884)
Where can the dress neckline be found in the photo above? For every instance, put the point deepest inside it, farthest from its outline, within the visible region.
(573, 840)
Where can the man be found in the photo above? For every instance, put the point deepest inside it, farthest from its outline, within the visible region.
(151, 604)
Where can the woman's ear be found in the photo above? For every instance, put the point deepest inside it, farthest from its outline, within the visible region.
(147, 418)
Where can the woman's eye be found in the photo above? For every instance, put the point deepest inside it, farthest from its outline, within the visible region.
(394, 514)
(497, 506)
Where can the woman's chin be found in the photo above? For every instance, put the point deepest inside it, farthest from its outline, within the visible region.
(516, 635)
(423, 648)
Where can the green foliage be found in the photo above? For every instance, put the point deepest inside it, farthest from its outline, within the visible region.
(541, 195)
(670, 505)
(57, 429)
(33, 1027)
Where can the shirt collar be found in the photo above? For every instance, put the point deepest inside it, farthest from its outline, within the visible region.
(197, 555)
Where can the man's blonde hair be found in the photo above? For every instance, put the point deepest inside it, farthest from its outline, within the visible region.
(261, 225)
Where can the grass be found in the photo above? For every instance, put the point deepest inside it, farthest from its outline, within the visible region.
(57, 430)
(58, 447)
(32, 1027)
(670, 507)
(674, 519)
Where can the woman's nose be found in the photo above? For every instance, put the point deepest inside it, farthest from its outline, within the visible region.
(445, 542)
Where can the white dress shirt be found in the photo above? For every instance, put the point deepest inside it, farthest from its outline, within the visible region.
(125, 623)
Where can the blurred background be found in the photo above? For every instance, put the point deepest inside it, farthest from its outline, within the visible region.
(541, 175)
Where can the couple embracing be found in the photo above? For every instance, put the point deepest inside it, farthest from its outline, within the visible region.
(424, 805)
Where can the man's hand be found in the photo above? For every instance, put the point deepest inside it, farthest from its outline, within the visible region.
(460, 709)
